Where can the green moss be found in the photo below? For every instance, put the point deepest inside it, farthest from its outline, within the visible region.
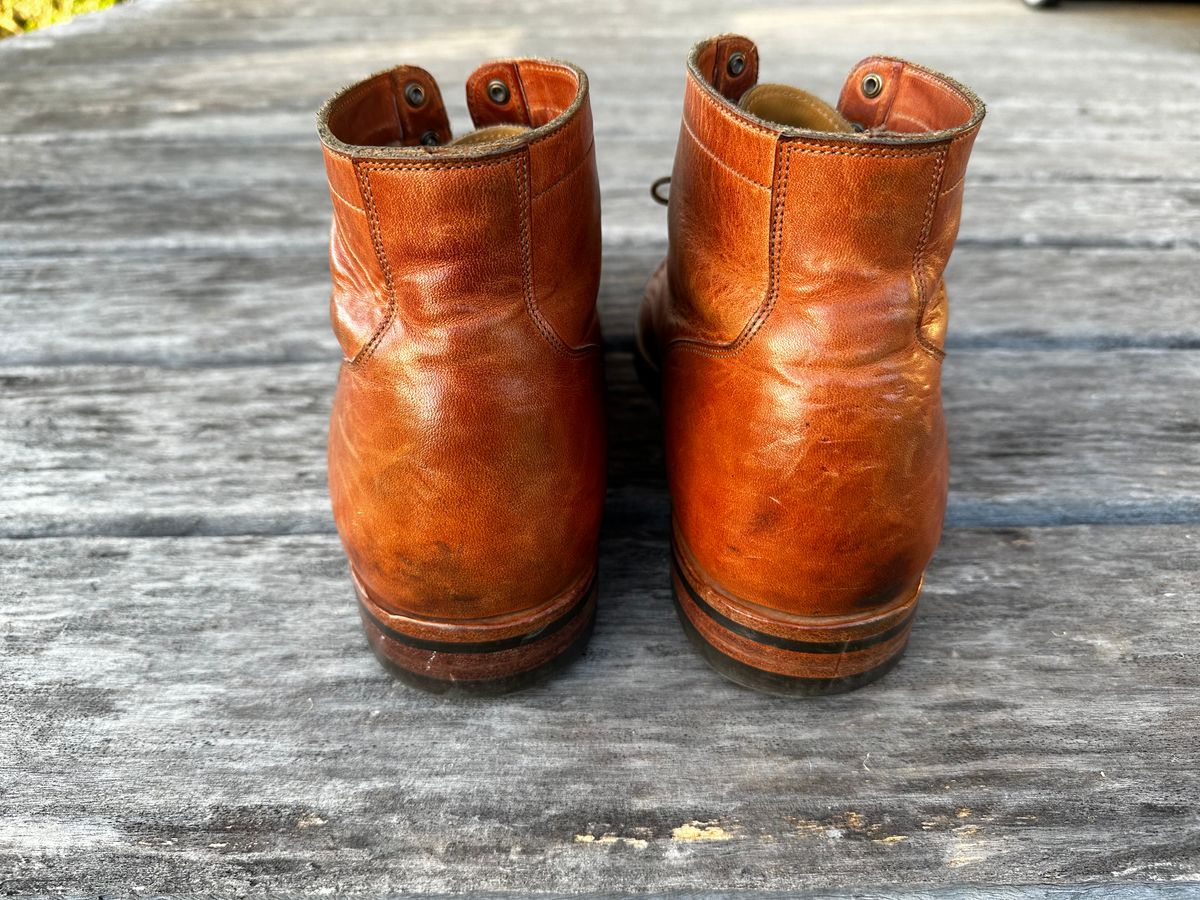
(25, 15)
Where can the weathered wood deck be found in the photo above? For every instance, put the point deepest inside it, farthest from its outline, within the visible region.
(186, 702)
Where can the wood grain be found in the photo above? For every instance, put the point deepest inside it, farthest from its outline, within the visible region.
(187, 704)
(200, 714)
(1037, 438)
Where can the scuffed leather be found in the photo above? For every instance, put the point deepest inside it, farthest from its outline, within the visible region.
(797, 327)
(466, 446)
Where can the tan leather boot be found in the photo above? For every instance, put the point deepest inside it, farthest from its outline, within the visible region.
(796, 330)
(466, 447)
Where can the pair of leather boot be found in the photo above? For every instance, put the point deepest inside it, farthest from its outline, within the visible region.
(793, 336)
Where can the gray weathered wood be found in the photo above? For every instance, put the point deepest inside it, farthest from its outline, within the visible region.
(1037, 438)
(186, 705)
(240, 306)
(200, 714)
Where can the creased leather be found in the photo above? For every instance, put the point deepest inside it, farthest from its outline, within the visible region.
(797, 328)
(466, 446)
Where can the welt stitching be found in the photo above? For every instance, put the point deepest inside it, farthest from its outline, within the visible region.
(571, 171)
(919, 256)
(720, 162)
(364, 183)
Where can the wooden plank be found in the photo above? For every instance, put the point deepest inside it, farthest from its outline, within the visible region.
(228, 149)
(201, 715)
(241, 306)
(1136, 51)
(262, 215)
(166, 368)
(1037, 437)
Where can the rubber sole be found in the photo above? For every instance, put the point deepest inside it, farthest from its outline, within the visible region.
(456, 661)
(790, 656)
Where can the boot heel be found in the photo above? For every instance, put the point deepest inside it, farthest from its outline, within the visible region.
(789, 656)
(482, 657)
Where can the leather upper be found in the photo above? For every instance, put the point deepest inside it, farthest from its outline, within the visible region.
(798, 323)
(466, 449)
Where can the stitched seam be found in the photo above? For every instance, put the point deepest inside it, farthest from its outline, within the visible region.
(580, 98)
(919, 256)
(835, 150)
(940, 85)
(571, 171)
(789, 148)
(779, 197)
(364, 185)
(388, 165)
(720, 162)
(531, 307)
(350, 251)
(344, 200)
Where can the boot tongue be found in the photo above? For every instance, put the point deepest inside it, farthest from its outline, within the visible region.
(793, 108)
(489, 134)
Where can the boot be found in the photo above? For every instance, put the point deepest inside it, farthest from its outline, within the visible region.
(795, 334)
(466, 446)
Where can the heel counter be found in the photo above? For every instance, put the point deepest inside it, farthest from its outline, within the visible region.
(809, 497)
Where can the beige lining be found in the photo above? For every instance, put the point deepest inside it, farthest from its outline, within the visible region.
(792, 107)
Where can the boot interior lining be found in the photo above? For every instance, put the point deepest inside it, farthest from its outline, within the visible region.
(489, 134)
(791, 107)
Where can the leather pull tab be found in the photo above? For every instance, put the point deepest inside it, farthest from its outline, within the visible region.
(869, 91)
(399, 108)
(733, 67)
(419, 109)
(892, 95)
(496, 95)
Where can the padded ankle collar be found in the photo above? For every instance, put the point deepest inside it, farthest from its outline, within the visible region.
(895, 102)
(399, 114)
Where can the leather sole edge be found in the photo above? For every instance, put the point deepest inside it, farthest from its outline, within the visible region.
(482, 667)
(768, 664)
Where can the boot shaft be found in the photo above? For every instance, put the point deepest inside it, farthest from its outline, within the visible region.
(796, 331)
(466, 443)
(442, 237)
(845, 217)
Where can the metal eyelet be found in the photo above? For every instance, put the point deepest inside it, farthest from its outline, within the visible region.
(430, 139)
(497, 92)
(414, 94)
(872, 84)
(737, 64)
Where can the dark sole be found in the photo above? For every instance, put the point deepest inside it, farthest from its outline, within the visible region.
(482, 668)
(786, 652)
